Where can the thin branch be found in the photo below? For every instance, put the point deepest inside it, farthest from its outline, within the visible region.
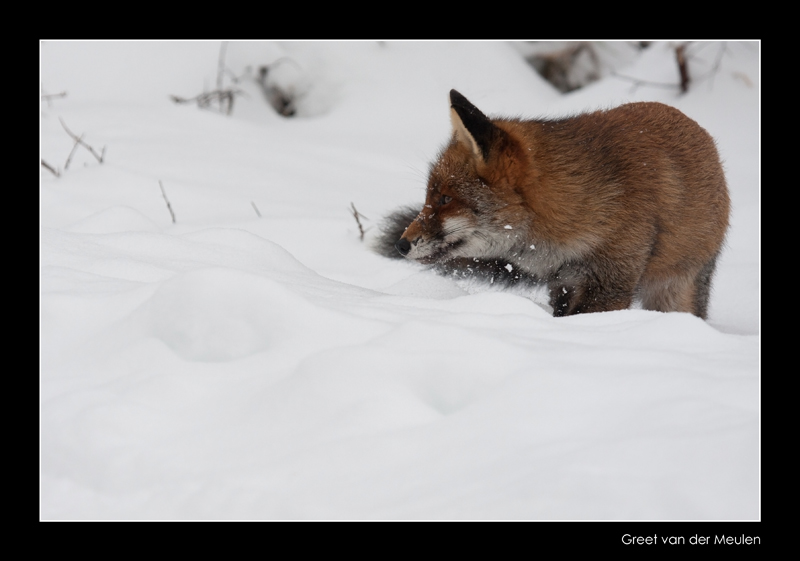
(638, 82)
(79, 140)
(356, 215)
(715, 66)
(169, 206)
(223, 97)
(206, 99)
(743, 77)
(49, 97)
(718, 62)
(683, 66)
(221, 64)
(74, 147)
(683, 57)
(48, 167)
(233, 77)
(255, 208)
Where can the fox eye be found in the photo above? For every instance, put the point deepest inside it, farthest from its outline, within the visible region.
(445, 199)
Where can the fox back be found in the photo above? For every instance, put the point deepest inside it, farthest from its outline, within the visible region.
(603, 207)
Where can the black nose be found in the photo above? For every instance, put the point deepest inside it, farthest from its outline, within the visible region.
(403, 246)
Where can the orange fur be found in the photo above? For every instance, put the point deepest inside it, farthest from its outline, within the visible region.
(603, 206)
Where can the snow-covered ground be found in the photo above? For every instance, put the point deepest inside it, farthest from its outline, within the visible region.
(237, 366)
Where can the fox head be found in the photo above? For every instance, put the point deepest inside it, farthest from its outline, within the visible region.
(474, 206)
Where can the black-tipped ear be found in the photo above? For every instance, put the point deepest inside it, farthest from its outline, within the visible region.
(471, 126)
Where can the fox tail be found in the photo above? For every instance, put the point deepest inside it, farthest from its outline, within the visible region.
(391, 229)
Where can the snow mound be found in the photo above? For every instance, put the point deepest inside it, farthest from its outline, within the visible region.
(114, 220)
(224, 314)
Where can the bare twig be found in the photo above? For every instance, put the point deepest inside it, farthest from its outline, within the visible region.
(714, 67)
(49, 97)
(683, 57)
(638, 82)
(255, 208)
(683, 66)
(72, 152)
(222, 96)
(205, 100)
(743, 77)
(356, 215)
(236, 79)
(48, 167)
(79, 140)
(221, 64)
(718, 62)
(169, 206)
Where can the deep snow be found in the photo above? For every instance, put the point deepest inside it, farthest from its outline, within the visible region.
(231, 366)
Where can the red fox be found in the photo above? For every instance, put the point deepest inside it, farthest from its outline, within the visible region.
(603, 207)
